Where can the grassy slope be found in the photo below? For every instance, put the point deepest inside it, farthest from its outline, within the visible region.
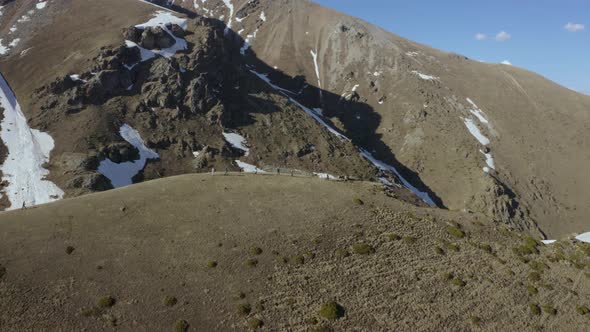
(143, 243)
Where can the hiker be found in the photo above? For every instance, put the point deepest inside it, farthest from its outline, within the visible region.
(24, 206)
(212, 170)
(225, 171)
(278, 171)
(291, 172)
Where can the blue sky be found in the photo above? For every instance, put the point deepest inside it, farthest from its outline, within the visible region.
(536, 32)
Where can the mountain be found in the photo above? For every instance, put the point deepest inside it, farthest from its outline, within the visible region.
(305, 88)
(396, 186)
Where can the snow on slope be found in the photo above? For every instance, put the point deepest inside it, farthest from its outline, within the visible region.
(161, 18)
(424, 76)
(229, 6)
(474, 130)
(28, 150)
(122, 174)
(237, 141)
(377, 163)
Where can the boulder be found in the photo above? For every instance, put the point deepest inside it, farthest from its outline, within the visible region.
(156, 38)
(176, 30)
(132, 34)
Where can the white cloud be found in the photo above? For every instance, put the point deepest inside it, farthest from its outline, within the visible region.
(574, 27)
(506, 62)
(503, 36)
(481, 36)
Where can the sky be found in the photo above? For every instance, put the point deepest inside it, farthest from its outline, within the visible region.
(550, 37)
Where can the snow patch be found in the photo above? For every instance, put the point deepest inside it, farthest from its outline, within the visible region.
(248, 168)
(325, 176)
(237, 141)
(584, 237)
(28, 150)
(3, 49)
(424, 76)
(41, 5)
(317, 68)
(506, 62)
(229, 6)
(474, 130)
(263, 16)
(76, 78)
(14, 43)
(548, 241)
(248, 42)
(122, 174)
(489, 160)
(161, 19)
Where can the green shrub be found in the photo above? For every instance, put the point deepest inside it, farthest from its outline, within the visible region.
(252, 262)
(255, 323)
(410, 239)
(298, 259)
(106, 302)
(549, 310)
(439, 250)
(448, 276)
(538, 266)
(341, 253)
(70, 250)
(170, 301)
(244, 309)
(534, 276)
(358, 201)
(451, 246)
(332, 310)
(456, 232)
(532, 290)
(458, 282)
(256, 251)
(363, 249)
(534, 309)
(2, 271)
(393, 237)
(180, 326)
(582, 310)
(475, 320)
(211, 264)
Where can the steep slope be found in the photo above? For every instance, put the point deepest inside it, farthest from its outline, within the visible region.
(314, 93)
(417, 102)
(234, 252)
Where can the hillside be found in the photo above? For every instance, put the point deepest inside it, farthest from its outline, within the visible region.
(302, 88)
(224, 252)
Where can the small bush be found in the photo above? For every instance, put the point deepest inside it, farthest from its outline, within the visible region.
(255, 323)
(252, 262)
(358, 201)
(341, 253)
(534, 309)
(393, 237)
(550, 310)
(211, 264)
(538, 266)
(106, 302)
(582, 310)
(2, 271)
(363, 249)
(180, 326)
(70, 250)
(332, 310)
(532, 290)
(439, 250)
(448, 276)
(282, 259)
(534, 276)
(530, 246)
(458, 282)
(475, 320)
(244, 309)
(170, 301)
(456, 232)
(451, 246)
(410, 239)
(256, 251)
(298, 260)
